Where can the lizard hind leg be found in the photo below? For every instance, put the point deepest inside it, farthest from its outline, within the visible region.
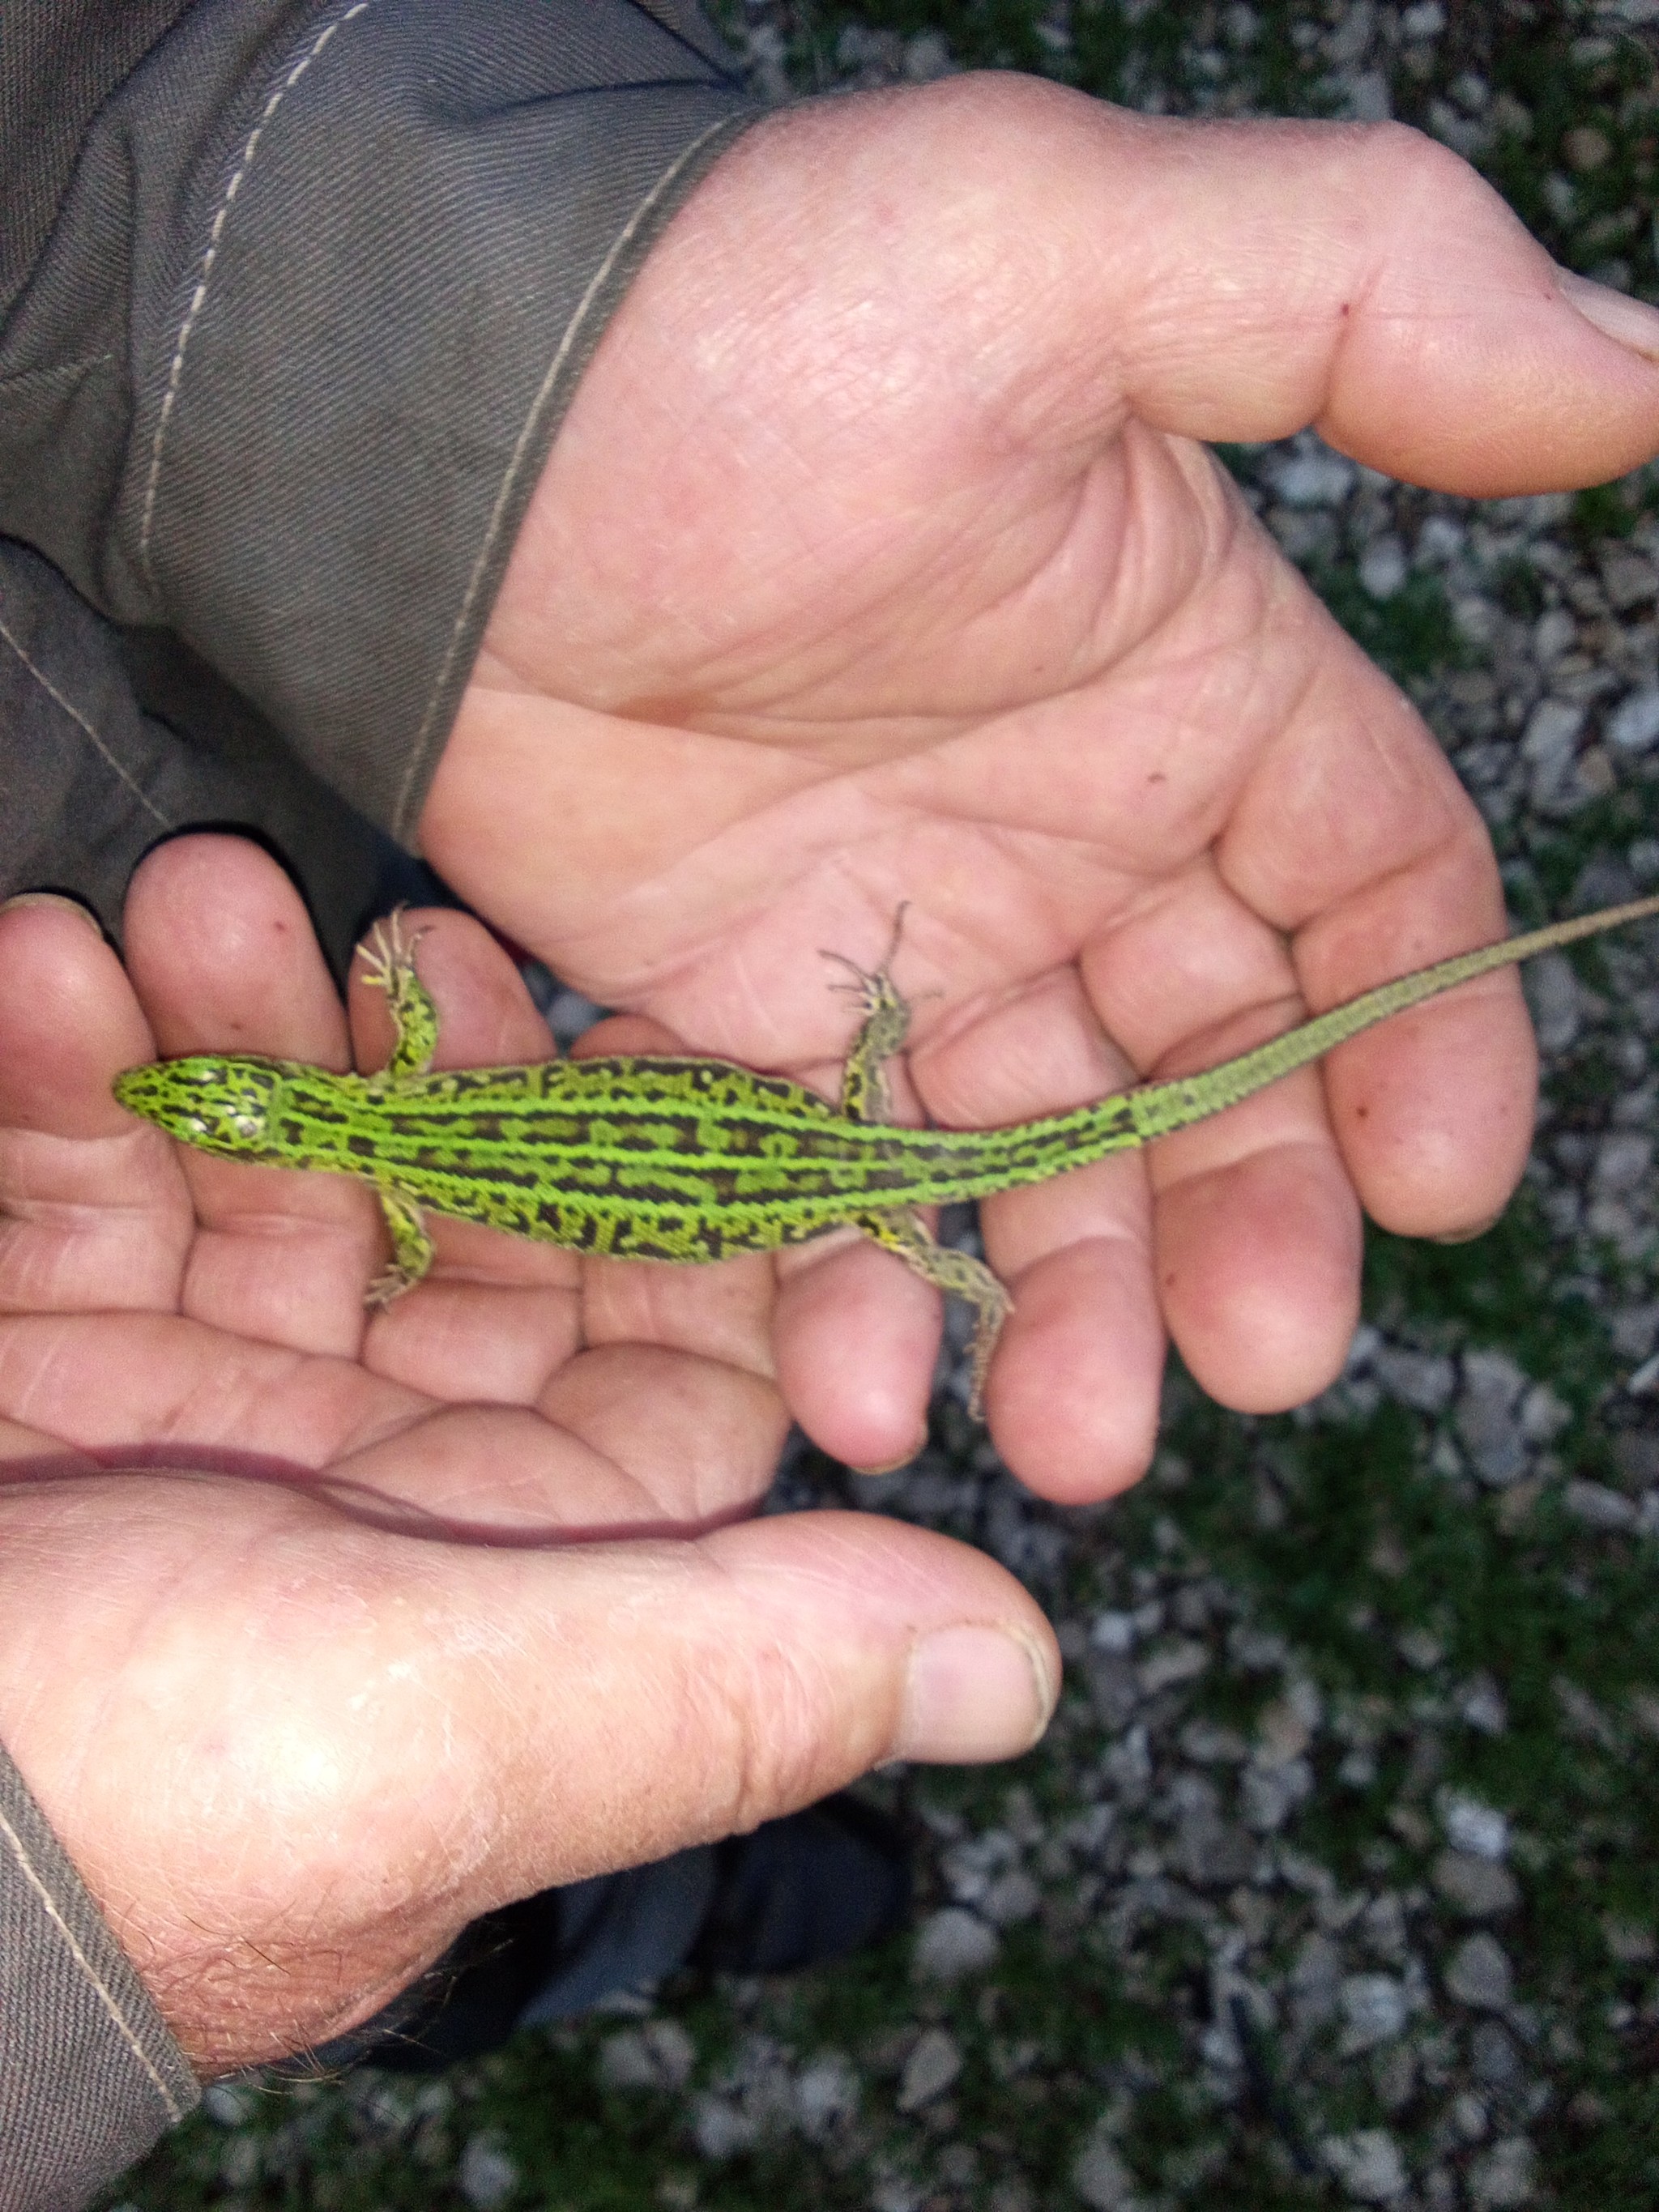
(900, 1229)
(411, 1248)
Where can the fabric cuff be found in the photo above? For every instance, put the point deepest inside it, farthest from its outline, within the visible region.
(396, 273)
(90, 2075)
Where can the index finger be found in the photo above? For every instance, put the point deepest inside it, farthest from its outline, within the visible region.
(93, 1210)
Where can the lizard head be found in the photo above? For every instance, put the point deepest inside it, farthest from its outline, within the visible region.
(223, 1105)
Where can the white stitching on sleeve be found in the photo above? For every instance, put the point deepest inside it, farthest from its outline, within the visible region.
(510, 480)
(20, 1852)
(198, 297)
(74, 715)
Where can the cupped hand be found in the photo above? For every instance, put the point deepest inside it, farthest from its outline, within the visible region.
(321, 1634)
(875, 563)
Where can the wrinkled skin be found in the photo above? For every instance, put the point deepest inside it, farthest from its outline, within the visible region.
(872, 564)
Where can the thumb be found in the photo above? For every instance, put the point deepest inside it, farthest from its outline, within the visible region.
(1061, 263)
(684, 1691)
(296, 1754)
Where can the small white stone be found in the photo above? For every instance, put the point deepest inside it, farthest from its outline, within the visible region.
(1283, 1732)
(895, 2192)
(971, 1866)
(1420, 1648)
(1368, 99)
(1583, 1717)
(1422, 1380)
(1543, 1415)
(1479, 1829)
(933, 2064)
(1011, 1898)
(659, 2055)
(826, 2095)
(1351, 34)
(1481, 1707)
(1596, 1506)
(1553, 634)
(1012, 2194)
(952, 1944)
(1479, 1889)
(1480, 1974)
(1314, 479)
(1363, 1348)
(1476, 618)
(1316, 1980)
(228, 2105)
(1375, 2010)
(1551, 732)
(1633, 725)
(1629, 1942)
(1367, 2164)
(1285, 1728)
(1494, 2060)
(1256, 1651)
(1101, 2178)
(721, 2128)
(1181, 1660)
(1629, 578)
(1383, 567)
(927, 56)
(1552, 993)
(1267, 1795)
(1488, 1419)
(239, 2162)
(1505, 2176)
(1113, 1631)
(487, 2176)
(1624, 1161)
(1468, 2116)
(1439, 541)
(1586, 147)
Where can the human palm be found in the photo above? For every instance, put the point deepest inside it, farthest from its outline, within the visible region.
(874, 565)
(320, 1634)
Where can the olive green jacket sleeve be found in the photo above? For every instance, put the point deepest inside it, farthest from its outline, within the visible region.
(292, 300)
(89, 2075)
(293, 296)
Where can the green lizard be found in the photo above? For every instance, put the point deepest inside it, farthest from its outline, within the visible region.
(692, 1159)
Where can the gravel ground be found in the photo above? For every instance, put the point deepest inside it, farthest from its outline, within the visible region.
(1332, 1883)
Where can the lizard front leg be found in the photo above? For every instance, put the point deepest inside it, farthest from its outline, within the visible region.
(881, 1035)
(388, 961)
(389, 965)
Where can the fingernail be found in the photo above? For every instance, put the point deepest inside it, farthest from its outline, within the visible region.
(892, 1466)
(56, 899)
(975, 1693)
(1468, 1236)
(1629, 322)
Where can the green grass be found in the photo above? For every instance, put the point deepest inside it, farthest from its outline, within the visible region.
(1412, 633)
